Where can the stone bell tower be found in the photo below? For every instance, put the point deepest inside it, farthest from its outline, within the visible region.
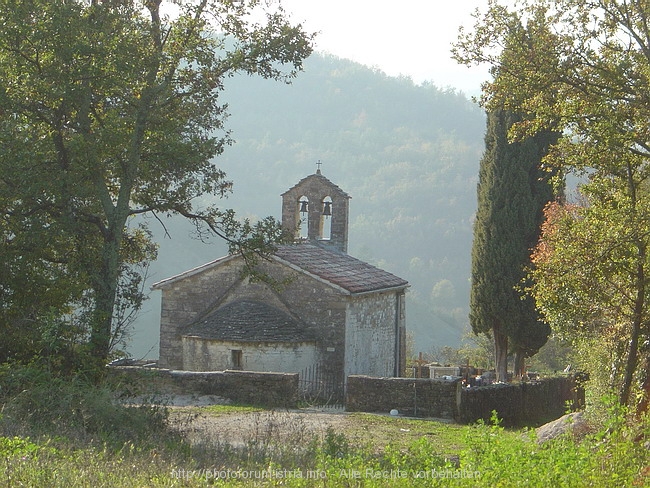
(316, 210)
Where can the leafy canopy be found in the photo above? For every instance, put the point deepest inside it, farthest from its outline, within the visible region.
(112, 110)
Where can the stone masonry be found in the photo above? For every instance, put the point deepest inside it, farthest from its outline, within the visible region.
(319, 305)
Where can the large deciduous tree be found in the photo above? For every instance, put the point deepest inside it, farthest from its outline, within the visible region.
(512, 193)
(111, 110)
(587, 72)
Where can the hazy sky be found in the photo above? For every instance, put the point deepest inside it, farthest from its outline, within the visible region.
(410, 38)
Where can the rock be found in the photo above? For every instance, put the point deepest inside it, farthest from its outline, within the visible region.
(567, 423)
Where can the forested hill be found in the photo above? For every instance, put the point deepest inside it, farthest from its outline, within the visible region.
(408, 156)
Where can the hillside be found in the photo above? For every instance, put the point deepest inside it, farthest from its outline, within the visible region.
(408, 155)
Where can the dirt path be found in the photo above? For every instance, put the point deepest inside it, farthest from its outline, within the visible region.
(241, 428)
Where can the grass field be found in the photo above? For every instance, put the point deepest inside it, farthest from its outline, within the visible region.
(64, 433)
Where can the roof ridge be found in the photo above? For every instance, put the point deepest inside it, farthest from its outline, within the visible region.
(316, 175)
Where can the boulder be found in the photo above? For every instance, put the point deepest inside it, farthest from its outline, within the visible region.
(572, 422)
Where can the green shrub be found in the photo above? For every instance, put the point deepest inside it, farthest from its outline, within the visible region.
(17, 446)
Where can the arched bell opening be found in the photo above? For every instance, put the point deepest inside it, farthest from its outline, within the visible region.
(325, 228)
(302, 218)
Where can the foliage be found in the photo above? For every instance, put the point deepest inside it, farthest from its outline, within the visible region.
(554, 356)
(477, 349)
(584, 266)
(581, 66)
(564, 461)
(447, 356)
(121, 104)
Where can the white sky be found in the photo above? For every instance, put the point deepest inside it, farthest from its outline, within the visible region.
(411, 38)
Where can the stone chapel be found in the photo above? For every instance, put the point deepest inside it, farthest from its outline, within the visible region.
(333, 312)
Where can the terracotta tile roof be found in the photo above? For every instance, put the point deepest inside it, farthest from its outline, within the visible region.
(250, 321)
(339, 268)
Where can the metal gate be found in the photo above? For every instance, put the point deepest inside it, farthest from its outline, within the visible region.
(321, 388)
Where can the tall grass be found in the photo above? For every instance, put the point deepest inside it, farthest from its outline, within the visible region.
(37, 403)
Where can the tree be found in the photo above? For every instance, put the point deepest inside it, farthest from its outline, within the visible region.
(585, 72)
(554, 356)
(477, 349)
(586, 261)
(512, 192)
(111, 110)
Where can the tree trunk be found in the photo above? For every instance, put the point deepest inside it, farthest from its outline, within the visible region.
(637, 322)
(116, 215)
(501, 354)
(642, 406)
(520, 364)
(105, 289)
(639, 302)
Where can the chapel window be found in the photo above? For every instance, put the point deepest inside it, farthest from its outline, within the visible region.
(236, 357)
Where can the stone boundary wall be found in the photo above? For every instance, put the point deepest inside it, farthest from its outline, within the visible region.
(515, 403)
(520, 403)
(255, 388)
(415, 397)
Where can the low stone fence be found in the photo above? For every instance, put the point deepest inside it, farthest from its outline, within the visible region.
(265, 389)
(515, 403)
(416, 397)
(519, 403)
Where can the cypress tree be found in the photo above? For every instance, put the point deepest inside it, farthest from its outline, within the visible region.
(512, 193)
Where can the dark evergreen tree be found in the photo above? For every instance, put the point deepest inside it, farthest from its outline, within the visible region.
(512, 192)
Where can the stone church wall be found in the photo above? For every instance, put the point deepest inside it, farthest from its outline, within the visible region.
(315, 188)
(182, 302)
(322, 308)
(318, 305)
(209, 355)
(371, 334)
